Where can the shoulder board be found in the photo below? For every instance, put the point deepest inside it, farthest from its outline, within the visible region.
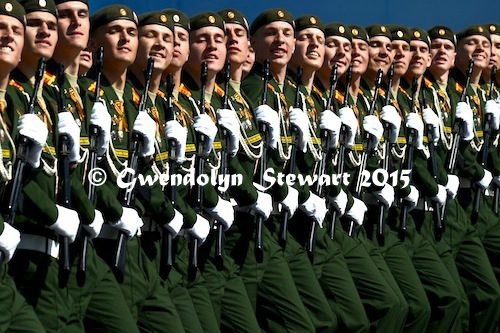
(135, 96)
(161, 94)
(317, 91)
(339, 97)
(184, 90)
(458, 87)
(49, 78)
(381, 92)
(16, 85)
(270, 87)
(427, 82)
(291, 84)
(219, 90)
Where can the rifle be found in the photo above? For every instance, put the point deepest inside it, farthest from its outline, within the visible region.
(94, 138)
(368, 147)
(200, 163)
(23, 144)
(293, 156)
(492, 87)
(259, 230)
(127, 196)
(410, 141)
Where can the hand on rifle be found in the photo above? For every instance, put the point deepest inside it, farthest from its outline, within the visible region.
(35, 130)
(350, 121)
(9, 239)
(357, 211)
(174, 226)
(411, 200)
(330, 122)
(452, 186)
(67, 223)
(130, 222)
(299, 119)
(223, 212)
(175, 131)
(464, 113)
(390, 115)
(100, 118)
(146, 126)
(67, 125)
(203, 124)
(373, 126)
(385, 195)
(339, 202)
(291, 201)
(264, 204)
(485, 182)
(94, 228)
(441, 195)
(315, 207)
(493, 108)
(228, 120)
(431, 119)
(265, 114)
(414, 122)
(200, 229)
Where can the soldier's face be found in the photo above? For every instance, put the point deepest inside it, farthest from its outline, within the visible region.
(85, 61)
(41, 35)
(495, 51)
(237, 43)
(402, 57)
(309, 48)
(380, 50)
(360, 56)
(421, 57)
(249, 61)
(477, 48)
(337, 51)
(181, 48)
(207, 44)
(11, 42)
(274, 41)
(443, 54)
(119, 41)
(155, 41)
(73, 25)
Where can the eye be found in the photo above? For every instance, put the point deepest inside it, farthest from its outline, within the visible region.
(83, 14)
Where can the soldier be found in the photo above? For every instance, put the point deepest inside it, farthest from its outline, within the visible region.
(86, 62)
(247, 66)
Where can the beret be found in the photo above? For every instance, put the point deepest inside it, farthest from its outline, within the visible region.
(473, 30)
(375, 30)
(112, 13)
(338, 29)
(14, 9)
(441, 31)
(493, 28)
(48, 6)
(420, 35)
(63, 1)
(308, 21)
(271, 15)
(234, 16)
(358, 32)
(399, 32)
(159, 18)
(206, 19)
(179, 18)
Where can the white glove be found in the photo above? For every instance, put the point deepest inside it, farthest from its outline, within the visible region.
(412, 198)
(67, 125)
(348, 118)
(452, 186)
(440, 197)
(373, 126)
(200, 229)
(263, 206)
(34, 129)
(464, 113)
(178, 133)
(130, 222)
(291, 202)
(102, 119)
(9, 239)
(315, 207)
(331, 122)
(390, 115)
(485, 182)
(175, 225)
(203, 124)
(67, 223)
(229, 120)
(414, 121)
(223, 212)
(265, 114)
(146, 126)
(94, 228)
(299, 119)
(339, 202)
(431, 119)
(496, 180)
(493, 108)
(385, 195)
(357, 211)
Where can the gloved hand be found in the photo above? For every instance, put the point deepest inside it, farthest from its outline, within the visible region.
(102, 119)
(414, 121)
(175, 224)
(298, 118)
(374, 127)
(263, 206)
(452, 186)
(229, 120)
(315, 207)
(67, 125)
(94, 228)
(176, 132)
(223, 212)
(412, 198)
(203, 124)
(390, 115)
(485, 182)
(493, 108)
(200, 229)
(350, 121)
(9, 239)
(357, 211)
(464, 113)
(339, 202)
(331, 122)
(432, 120)
(146, 126)
(291, 201)
(67, 223)
(34, 129)
(130, 222)
(441, 196)
(385, 195)
(265, 114)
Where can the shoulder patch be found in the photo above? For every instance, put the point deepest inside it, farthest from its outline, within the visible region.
(49, 78)
(135, 96)
(291, 84)
(16, 85)
(219, 90)
(458, 87)
(184, 90)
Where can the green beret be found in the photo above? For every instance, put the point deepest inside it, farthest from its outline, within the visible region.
(48, 6)
(14, 9)
(63, 1)
(159, 18)
(399, 32)
(338, 29)
(493, 28)
(375, 30)
(111, 13)
(234, 16)
(358, 32)
(270, 16)
(420, 35)
(309, 21)
(180, 19)
(440, 31)
(207, 19)
(473, 30)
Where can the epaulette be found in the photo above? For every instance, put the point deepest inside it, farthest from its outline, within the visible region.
(458, 87)
(161, 94)
(184, 90)
(16, 85)
(317, 91)
(339, 97)
(427, 82)
(49, 78)
(219, 90)
(136, 98)
(291, 84)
